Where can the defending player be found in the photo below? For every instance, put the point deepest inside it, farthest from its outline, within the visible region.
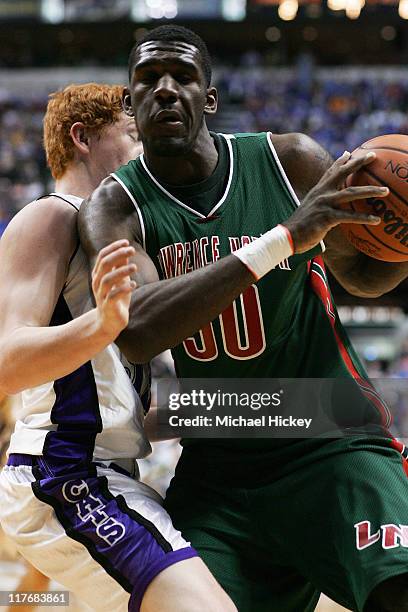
(69, 497)
(277, 521)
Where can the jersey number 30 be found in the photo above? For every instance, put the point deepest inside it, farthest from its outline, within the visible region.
(237, 345)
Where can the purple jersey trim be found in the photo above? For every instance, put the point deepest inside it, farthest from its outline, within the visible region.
(75, 412)
(153, 570)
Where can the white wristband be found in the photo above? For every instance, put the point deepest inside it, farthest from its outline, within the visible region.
(267, 251)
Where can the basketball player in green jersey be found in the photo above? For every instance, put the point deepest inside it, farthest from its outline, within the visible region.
(213, 217)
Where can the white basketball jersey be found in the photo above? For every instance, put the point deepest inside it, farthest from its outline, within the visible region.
(95, 413)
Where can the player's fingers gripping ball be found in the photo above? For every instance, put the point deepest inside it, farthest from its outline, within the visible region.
(387, 241)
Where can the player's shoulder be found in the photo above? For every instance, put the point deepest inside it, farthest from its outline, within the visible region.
(43, 229)
(107, 189)
(111, 197)
(109, 206)
(51, 203)
(303, 159)
(295, 146)
(42, 216)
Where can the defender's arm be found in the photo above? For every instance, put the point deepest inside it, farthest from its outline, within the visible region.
(35, 251)
(305, 162)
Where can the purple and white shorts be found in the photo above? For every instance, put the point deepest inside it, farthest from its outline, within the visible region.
(100, 533)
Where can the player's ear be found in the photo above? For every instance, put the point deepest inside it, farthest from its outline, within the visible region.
(127, 102)
(212, 101)
(79, 135)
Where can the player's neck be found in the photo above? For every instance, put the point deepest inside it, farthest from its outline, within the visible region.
(197, 165)
(77, 181)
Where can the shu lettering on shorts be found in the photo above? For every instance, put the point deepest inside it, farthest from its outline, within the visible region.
(91, 508)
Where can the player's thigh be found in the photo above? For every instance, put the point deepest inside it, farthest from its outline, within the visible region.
(187, 586)
(342, 520)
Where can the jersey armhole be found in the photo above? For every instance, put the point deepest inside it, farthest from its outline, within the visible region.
(60, 197)
(135, 204)
(57, 195)
(285, 178)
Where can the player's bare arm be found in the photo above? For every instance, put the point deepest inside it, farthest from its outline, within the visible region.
(356, 272)
(34, 259)
(359, 274)
(164, 313)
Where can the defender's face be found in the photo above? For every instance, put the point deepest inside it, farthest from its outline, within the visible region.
(116, 145)
(168, 96)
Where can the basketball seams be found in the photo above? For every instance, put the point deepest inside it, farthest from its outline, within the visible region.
(386, 140)
(383, 149)
(384, 244)
(379, 181)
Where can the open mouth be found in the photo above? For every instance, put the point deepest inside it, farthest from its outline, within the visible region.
(171, 122)
(168, 118)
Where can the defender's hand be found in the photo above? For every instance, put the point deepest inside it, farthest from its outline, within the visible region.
(112, 286)
(321, 210)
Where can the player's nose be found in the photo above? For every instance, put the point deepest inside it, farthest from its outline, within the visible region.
(166, 89)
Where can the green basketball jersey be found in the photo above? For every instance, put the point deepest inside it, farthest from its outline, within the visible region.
(285, 325)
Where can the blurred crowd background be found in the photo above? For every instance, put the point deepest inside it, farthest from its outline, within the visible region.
(339, 108)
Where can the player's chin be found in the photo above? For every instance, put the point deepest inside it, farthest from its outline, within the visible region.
(170, 146)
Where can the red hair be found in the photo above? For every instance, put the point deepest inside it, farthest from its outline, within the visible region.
(93, 104)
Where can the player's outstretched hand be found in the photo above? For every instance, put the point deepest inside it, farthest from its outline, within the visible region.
(112, 286)
(322, 209)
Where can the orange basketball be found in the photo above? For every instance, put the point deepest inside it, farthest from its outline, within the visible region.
(387, 241)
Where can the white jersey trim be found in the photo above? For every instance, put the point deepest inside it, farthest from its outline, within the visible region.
(231, 172)
(228, 139)
(136, 205)
(285, 178)
(74, 200)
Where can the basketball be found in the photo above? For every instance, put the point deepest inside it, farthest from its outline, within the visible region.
(387, 241)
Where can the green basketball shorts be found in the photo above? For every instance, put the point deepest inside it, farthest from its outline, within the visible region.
(279, 528)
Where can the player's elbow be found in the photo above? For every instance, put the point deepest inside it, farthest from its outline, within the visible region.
(10, 373)
(362, 290)
(357, 281)
(366, 294)
(8, 385)
(138, 343)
